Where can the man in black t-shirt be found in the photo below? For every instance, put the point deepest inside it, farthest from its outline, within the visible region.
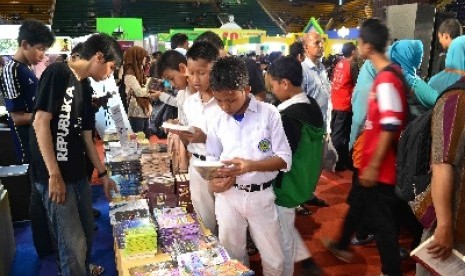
(62, 133)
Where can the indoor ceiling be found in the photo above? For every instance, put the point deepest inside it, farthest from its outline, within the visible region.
(15, 10)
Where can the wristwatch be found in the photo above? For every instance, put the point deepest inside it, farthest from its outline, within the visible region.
(102, 174)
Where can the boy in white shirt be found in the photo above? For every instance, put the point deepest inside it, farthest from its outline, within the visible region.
(248, 137)
(199, 109)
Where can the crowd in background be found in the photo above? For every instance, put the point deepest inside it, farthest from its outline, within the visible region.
(252, 112)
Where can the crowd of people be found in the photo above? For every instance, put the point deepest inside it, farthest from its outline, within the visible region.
(273, 154)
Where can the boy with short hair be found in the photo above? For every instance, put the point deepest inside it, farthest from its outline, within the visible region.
(303, 125)
(386, 118)
(248, 136)
(297, 50)
(447, 31)
(172, 66)
(200, 108)
(19, 87)
(62, 123)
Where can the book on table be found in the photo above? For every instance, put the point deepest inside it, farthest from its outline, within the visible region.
(453, 265)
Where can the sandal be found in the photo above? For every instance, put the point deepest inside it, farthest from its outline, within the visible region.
(302, 211)
(251, 248)
(96, 270)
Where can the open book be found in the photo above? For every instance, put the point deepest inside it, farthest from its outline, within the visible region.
(453, 265)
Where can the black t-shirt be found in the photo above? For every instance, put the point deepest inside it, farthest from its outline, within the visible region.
(70, 102)
(307, 113)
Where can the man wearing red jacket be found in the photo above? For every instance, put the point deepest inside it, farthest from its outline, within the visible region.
(342, 86)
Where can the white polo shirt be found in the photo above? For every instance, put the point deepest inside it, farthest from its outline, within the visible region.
(197, 114)
(258, 136)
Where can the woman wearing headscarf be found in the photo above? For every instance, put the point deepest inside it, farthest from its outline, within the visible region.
(140, 106)
(362, 88)
(408, 55)
(455, 66)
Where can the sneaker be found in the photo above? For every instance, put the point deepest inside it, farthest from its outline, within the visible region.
(302, 211)
(343, 255)
(96, 213)
(251, 248)
(404, 254)
(96, 270)
(310, 269)
(315, 201)
(355, 241)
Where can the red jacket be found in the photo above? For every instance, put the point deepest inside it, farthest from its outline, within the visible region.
(342, 86)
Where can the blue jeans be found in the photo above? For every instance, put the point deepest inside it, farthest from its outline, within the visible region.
(72, 225)
(140, 124)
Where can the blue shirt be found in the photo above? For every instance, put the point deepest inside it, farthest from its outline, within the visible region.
(316, 84)
(19, 85)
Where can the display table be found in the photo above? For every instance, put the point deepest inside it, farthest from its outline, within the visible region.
(123, 264)
(16, 181)
(154, 228)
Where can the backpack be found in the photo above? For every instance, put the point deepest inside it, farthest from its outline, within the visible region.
(161, 112)
(413, 165)
(298, 184)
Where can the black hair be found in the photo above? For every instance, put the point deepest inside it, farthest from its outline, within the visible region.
(374, 32)
(105, 44)
(452, 27)
(212, 38)
(348, 48)
(170, 60)
(296, 48)
(288, 68)
(35, 32)
(178, 39)
(77, 50)
(203, 50)
(274, 56)
(229, 73)
(157, 53)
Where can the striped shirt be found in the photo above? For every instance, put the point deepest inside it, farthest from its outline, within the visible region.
(18, 84)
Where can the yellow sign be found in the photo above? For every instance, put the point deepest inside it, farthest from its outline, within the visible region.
(232, 34)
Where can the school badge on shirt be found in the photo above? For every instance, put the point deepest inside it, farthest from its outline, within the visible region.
(264, 145)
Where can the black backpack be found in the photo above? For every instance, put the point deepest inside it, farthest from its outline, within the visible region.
(413, 161)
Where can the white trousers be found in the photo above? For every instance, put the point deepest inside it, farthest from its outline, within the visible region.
(294, 248)
(203, 199)
(235, 209)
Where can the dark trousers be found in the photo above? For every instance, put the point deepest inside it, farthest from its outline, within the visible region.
(140, 124)
(341, 122)
(379, 204)
(363, 229)
(41, 235)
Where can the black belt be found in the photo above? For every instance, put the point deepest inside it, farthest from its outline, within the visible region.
(201, 157)
(254, 187)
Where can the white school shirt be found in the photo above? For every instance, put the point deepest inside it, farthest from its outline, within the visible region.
(197, 114)
(258, 136)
